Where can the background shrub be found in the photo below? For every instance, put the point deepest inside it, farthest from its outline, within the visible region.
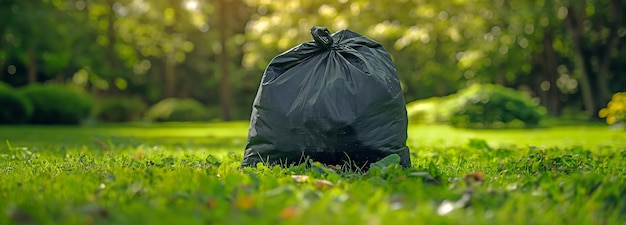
(493, 106)
(174, 109)
(120, 109)
(57, 104)
(428, 111)
(615, 111)
(14, 108)
(5, 86)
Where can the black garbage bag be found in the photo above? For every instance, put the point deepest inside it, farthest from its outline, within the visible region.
(334, 100)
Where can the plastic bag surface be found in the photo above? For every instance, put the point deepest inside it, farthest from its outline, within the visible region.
(335, 100)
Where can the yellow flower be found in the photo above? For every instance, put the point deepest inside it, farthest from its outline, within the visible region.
(603, 113)
(611, 120)
(615, 109)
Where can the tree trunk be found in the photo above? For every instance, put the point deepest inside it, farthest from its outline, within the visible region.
(225, 88)
(551, 73)
(169, 76)
(111, 48)
(2, 62)
(32, 66)
(59, 78)
(575, 17)
(169, 84)
(604, 74)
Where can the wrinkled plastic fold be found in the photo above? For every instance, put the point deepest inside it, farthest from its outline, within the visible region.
(333, 101)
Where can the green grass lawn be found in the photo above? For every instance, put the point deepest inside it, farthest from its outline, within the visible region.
(183, 173)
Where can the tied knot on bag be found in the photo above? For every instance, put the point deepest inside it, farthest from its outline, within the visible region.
(322, 37)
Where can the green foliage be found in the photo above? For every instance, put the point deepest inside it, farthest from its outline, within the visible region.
(428, 111)
(58, 104)
(615, 111)
(121, 109)
(173, 109)
(5, 86)
(493, 106)
(155, 182)
(437, 46)
(14, 108)
(478, 106)
(392, 159)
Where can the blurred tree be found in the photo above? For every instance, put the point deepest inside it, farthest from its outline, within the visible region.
(165, 32)
(29, 20)
(225, 87)
(435, 44)
(40, 40)
(525, 55)
(561, 52)
(439, 47)
(155, 30)
(594, 28)
(5, 9)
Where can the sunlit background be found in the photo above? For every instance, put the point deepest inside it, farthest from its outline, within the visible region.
(568, 55)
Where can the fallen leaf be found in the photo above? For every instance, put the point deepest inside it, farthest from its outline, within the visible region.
(323, 184)
(448, 205)
(138, 155)
(101, 144)
(300, 178)
(244, 202)
(211, 203)
(288, 212)
(445, 207)
(320, 184)
(475, 178)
